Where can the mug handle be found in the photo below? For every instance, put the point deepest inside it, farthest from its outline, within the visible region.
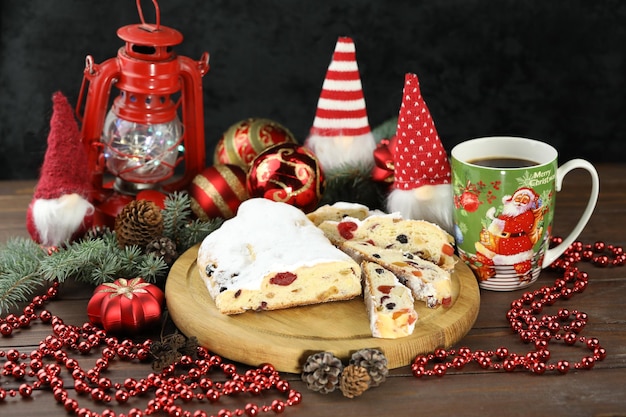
(553, 253)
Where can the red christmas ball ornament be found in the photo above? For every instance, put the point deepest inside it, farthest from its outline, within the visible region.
(287, 173)
(157, 197)
(244, 140)
(218, 191)
(125, 305)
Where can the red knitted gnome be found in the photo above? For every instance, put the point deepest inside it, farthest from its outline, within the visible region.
(341, 134)
(60, 211)
(422, 188)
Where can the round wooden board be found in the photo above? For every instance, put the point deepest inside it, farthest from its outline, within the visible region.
(285, 338)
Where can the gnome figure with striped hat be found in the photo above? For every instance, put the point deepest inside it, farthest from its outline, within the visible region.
(341, 134)
(422, 187)
(60, 210)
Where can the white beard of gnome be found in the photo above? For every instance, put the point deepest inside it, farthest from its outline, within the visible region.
(341, 134)
(59, 220)
(60, 211)
(422, 188)
(428, 202)
(336, 153)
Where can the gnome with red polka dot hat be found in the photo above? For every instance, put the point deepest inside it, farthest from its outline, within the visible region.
(341, 134)
(60, 210)
(422, 187)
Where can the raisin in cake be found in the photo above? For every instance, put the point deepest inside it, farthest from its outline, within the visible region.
(391, 231)
(338, 211)
(427, 281)
(389, 304)
(271, 256)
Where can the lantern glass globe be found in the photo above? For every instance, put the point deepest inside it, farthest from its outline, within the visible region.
(141, 153)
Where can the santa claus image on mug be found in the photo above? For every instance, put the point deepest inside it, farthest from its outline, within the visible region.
(504, 191)
(511, 235)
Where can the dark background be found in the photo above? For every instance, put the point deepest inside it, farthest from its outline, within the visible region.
(550, 70)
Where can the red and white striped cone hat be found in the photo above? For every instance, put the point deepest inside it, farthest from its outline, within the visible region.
(341, 132)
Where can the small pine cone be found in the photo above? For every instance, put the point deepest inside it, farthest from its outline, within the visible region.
(139, 222)
(163, 247)
(374, 361)
(190, 348)
(96, 232)
(175, 340)
(322, 372)
(355, 380)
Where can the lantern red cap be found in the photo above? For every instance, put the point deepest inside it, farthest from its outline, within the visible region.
(419, 156)
(341, 107)
(64, 169)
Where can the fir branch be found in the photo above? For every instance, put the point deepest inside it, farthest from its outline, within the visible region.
(151, 267)
(179, 226)
(101, 260)
(19, 277)
(195, 232)
(353, 184)
(386, 130)
(176, 214)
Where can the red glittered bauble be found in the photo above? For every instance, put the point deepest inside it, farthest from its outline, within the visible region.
(126, 305)
(218, 191)
(287, 173)
(244, 140)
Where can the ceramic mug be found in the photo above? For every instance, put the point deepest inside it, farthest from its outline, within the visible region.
(504, 193)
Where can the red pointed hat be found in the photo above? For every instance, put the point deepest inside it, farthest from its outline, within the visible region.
(64, 169)
(418, 155)
(341, 107)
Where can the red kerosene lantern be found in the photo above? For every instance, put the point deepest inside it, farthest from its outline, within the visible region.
(141, 139)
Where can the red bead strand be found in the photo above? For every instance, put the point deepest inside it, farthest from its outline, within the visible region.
(177, 385)
(540, 331)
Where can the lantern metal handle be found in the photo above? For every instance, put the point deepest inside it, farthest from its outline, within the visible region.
(157, 12)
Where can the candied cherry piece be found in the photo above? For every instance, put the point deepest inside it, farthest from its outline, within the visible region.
(346, 229)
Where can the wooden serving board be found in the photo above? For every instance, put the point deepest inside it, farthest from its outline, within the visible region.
(286, 338)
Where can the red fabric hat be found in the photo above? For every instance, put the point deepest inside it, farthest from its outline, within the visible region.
(64, 169)
(533, 197)
(341, 107)
(419, 156)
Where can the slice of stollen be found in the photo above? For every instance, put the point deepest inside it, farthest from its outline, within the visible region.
(390, 231)
(427, 281)
(389, 304)
(338, 211)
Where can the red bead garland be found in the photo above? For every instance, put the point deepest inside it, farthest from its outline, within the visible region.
(176, 385)
(187, 380)
(524, 320)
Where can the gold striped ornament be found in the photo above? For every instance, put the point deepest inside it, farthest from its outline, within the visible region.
(218, 191)
(244, 140)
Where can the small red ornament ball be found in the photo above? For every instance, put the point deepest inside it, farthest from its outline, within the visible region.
(244, 140)
(155, 196)
(126, 305)
(218, 191)
(287, 173)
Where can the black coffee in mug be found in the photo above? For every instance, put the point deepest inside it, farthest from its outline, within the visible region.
(502, 162)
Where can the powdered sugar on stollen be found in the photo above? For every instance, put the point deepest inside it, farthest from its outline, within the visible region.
(265, 237)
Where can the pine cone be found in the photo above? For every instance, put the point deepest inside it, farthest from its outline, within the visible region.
(175, 340)
(321, 372)
(355, 380)
(139, 222)
(96, 232)
(374, 361)
(163, 247)
(190, 348)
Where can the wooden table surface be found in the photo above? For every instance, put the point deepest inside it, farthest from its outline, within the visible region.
(470, 392)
